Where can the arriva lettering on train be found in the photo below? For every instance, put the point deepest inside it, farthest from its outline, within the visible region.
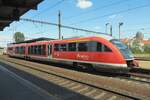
(82, 57)
(56, 54)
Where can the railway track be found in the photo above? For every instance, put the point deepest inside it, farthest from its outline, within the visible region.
(84, 88)
(79, 87)
(143, 58)
(140, 79)
(140, 71)
(139, 75)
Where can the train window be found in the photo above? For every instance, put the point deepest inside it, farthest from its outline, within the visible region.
(43, 49)
(99, 47)
(29, 50)
(16, 49)
(56, 47)
(32, 51)
(72, 47)
(22, 50)
(39, 50)
(35, 50)
(10, 48)
(63, 47)
(83, 46)
(19, 49)
(92, 46)
(49, 49)
(107, 49)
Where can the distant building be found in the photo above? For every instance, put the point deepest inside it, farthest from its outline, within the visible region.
(146, 42)
(137, 43)
(126, 40)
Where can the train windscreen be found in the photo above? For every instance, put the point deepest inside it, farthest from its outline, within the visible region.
(119, 44)
(126, 52)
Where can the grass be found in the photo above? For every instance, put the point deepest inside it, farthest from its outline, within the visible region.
(142, 55)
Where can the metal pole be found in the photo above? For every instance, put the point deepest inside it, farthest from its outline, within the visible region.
(106, 27)
(120, 24)
(111, 30)
(119, 31)
(59, 24)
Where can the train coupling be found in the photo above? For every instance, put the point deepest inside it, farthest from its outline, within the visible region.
(133, 63)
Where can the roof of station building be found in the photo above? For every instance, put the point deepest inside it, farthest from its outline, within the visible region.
(11, 10)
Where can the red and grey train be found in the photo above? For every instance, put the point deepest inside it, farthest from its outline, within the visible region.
(100, 52)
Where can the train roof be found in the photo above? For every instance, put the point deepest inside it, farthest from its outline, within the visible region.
(44, 40)
(34, 40)
(105, 36)
(11, 10)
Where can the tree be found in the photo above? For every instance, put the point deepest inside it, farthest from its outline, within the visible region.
(19, 37)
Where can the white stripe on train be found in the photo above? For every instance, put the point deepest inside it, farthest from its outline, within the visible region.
(59, 59)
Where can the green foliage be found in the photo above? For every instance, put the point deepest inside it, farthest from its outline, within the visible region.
(147, 48)
(136, 50)
(19, 37)
(1, 48)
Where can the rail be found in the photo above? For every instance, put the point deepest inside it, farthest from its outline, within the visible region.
(140, 71)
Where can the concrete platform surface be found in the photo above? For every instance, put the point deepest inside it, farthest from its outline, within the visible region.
(13, 87)
(144, 64)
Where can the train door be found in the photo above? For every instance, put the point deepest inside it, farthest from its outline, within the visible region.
(49, 51)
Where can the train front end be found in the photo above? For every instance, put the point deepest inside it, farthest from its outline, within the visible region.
(126, 52)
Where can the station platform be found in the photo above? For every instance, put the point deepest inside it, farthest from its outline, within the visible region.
(13, 87)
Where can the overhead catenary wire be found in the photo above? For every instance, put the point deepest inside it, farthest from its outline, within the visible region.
(45, 10)
(137, 29)
(106, 15)
(49, 8)
(63, 26)
(95, 9)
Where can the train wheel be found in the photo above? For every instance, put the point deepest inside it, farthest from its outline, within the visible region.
(75, 64)
(27, 58)
(90, 67)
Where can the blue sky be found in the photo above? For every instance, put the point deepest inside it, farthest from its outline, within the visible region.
(87, 14)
